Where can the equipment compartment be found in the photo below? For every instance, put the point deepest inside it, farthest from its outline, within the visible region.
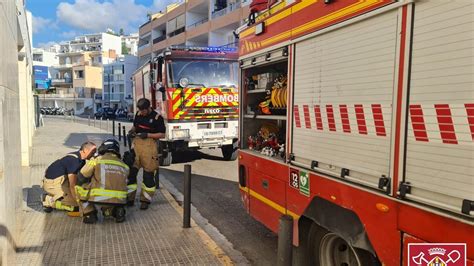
(264, 104)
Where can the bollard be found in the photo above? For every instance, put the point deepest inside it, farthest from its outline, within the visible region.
(119, 132)
(94, 120)
(100, 122)
(124, 137)
(157, 178)
(285, 241)
(107, 123)
(113, 127)
(89, 121)
(187, 197)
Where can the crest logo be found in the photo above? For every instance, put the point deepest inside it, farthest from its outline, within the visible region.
(436, 254)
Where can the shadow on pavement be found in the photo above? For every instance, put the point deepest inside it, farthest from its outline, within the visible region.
(193, 155)
(32, 197)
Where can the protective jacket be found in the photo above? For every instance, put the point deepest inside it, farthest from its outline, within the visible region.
(108, 180)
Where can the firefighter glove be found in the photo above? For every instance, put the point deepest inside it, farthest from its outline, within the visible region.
(129, 158)
(142, 135)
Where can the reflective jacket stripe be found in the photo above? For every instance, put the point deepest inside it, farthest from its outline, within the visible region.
(132, 187)
(148, 189)
(112, 162)
(108, 193)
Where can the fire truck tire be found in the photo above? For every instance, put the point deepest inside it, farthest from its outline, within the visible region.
(166, 160)
(229, 152)
(166, 157)
(327, 249)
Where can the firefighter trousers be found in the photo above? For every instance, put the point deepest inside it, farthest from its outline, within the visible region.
(58, 194)
(146, 157)
(148, 187)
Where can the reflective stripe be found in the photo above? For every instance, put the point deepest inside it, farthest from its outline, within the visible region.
(132, 187)
(148, 189)
(102, 176)
(108, 193)
(81, 191)
(146, 195)
(60, 206)
(73, 155)
(102, 198)
(113, 163)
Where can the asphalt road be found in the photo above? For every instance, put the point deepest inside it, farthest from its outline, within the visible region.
(216, 196)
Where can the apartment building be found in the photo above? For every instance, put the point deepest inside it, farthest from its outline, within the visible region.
(77, 79)
(17, 119)
(192, 23)
(43, 62)
(117, 92)
(130, 43)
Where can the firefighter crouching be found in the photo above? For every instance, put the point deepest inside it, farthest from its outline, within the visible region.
(148, 127)
(60, 179)
(104, 184)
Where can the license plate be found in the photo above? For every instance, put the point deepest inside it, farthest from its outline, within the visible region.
(213, 133)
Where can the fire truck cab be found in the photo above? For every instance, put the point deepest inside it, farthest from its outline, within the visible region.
(357, 120)
(195, 89)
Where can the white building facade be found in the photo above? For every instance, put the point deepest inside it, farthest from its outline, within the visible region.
(117, 86)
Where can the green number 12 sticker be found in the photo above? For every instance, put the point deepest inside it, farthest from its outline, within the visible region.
(304, 183)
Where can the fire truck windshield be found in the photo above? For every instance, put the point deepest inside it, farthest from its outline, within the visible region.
(204, 73)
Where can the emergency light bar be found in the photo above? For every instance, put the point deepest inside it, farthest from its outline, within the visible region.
(204, 49)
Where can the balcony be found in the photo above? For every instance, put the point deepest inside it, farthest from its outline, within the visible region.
(143, 46)
(159, 39)
(176, 32)
(231, 7)
(202, 21)
(63, 96)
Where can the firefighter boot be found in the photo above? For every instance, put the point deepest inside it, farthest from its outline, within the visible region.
(90, 218)
(119, 214)
(148, 189)
(46, 209)
(132, 186)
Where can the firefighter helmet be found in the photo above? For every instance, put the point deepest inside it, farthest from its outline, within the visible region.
(110, 145)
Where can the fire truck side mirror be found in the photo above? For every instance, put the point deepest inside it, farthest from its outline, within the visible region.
(163, 93)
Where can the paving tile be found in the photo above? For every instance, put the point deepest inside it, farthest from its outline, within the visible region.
(152, 237)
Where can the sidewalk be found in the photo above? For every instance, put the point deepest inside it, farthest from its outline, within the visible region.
(147, 237)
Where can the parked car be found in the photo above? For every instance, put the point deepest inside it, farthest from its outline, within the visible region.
(105, 113)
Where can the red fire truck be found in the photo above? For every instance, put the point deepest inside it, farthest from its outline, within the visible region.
(195, 90)
(357, 119)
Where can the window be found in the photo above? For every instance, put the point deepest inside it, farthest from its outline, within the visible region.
(79, 74)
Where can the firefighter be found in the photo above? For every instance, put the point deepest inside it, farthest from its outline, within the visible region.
(61, 177)
(148, 127)
(104, 183)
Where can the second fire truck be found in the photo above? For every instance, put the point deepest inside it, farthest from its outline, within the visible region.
(195, 89)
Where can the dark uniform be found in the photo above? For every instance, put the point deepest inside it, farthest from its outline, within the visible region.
(146, 155)
(56, 182)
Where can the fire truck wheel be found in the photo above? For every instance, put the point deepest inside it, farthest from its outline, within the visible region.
(329, 249)
(229, 152)
(166, 160)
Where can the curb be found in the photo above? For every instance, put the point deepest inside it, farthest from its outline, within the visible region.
(211, 245)
(208, 229)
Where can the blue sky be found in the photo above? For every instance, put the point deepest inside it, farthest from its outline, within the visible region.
(58, 20)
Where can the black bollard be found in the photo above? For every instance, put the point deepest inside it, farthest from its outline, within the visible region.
(120, 132)
(113, 127)
(285, 241)
(187, 197)
(124, 137)
(157, 178)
